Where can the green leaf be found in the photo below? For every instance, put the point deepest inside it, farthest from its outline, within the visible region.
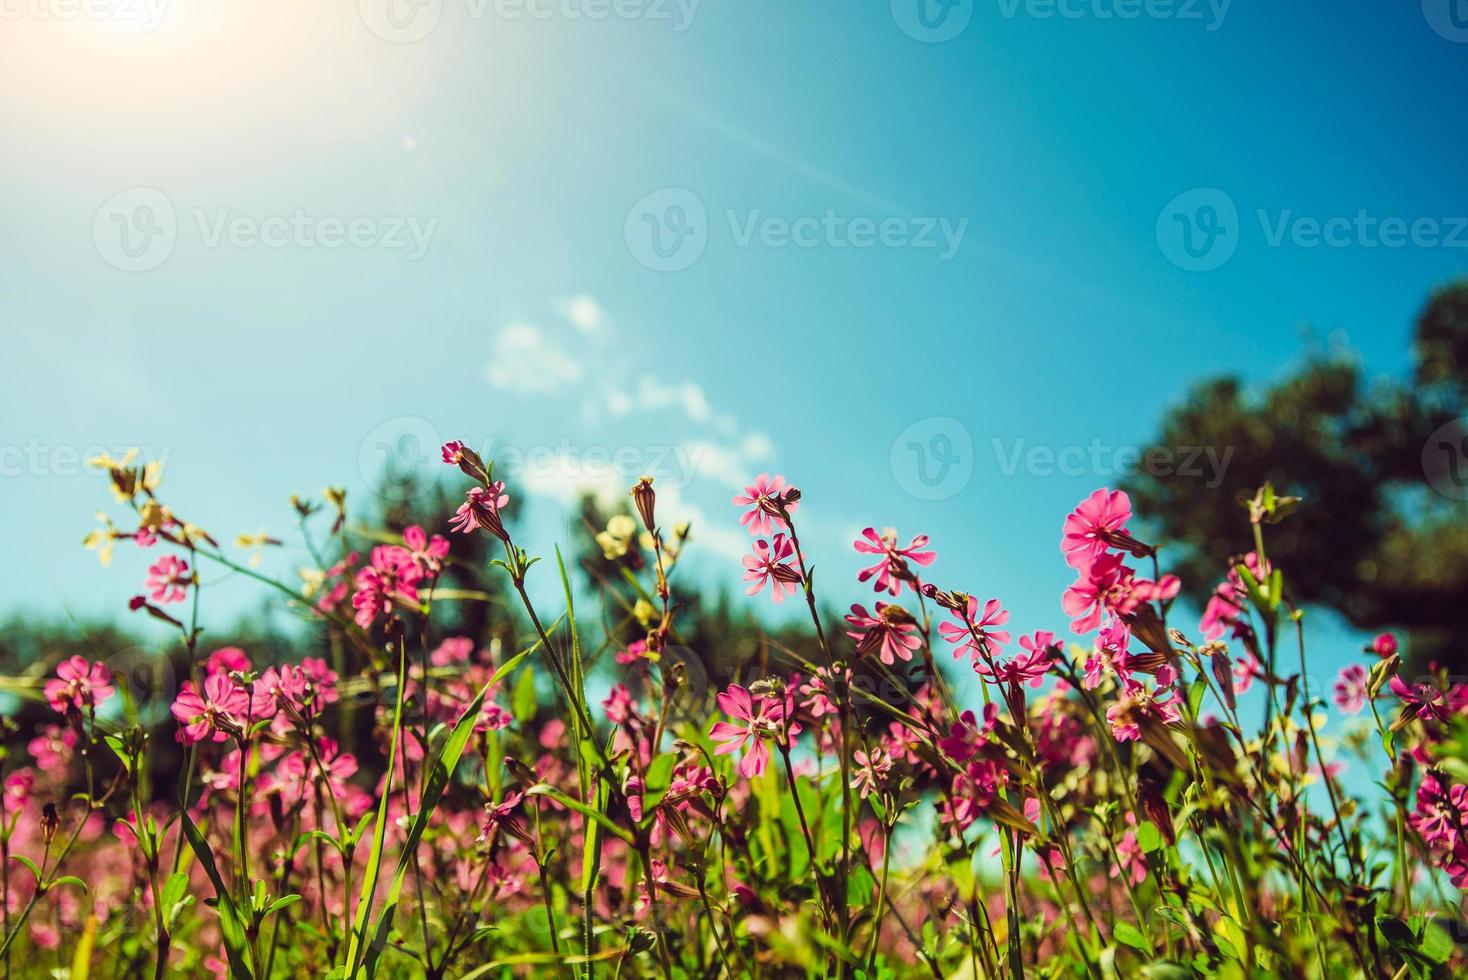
(282, 902)
(231, 926)
(542, 789)
(439, 776)
(28, 864)
(70, 880)
(1149, 838)
(175, 898)
(1129, 934)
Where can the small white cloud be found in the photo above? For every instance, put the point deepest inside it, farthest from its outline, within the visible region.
(583, 312)
(618, 402)
(756, 445)
(564, 476)
(716, 462)
(523, 361)
(653, 395)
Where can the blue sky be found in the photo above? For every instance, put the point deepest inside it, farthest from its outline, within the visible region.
(802, 162)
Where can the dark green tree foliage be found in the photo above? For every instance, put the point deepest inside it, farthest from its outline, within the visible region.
(1382, 541)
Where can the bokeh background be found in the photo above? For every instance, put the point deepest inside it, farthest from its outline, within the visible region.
(949, 266)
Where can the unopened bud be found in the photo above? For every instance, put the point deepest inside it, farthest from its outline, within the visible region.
(645, 499)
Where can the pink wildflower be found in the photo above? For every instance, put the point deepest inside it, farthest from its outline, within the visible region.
(78, 685)
(763, 719)
(892, 569)
(216, 714)
(1350, 689)
(168, 579)
(1091, 528)
(770, 564)
(891, 632)
(976, 635)
(760, 496)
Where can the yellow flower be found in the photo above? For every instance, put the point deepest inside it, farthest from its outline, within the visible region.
(617, 538)
(256, 541)
(104, 461)
(101, 540)
(644, 611)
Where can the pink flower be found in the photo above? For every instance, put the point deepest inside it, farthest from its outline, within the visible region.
(818, 693)
(1440, 812)
(1110, 653)
(226, 659)
(1129, 853)
(1107, 585)
(1090, 528)
(1029, 667)
(770, 563)
(1384, 645)
(764, 719)
(215, 715)
(892, 569)
(972, 792)
(892, 632)
(1138, 705)
(1350, 689)
(1426, 701)
(17, 791)
(78, 685)
(481, 508)
(392, 577)
(1225, 609)
(278, 688)
(453, 451)
(168, 579)
(763, 516)
(976, 635)
(1247, 671)
(425, 552)
(53, 747)
(966, 736)
(871, 770)
(619, 705)
(636, 650)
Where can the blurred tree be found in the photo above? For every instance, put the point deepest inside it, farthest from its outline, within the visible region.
(1381, 536)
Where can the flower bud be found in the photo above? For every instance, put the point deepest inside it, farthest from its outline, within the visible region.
(1381, 673)
(645, 499)
(50, 822)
